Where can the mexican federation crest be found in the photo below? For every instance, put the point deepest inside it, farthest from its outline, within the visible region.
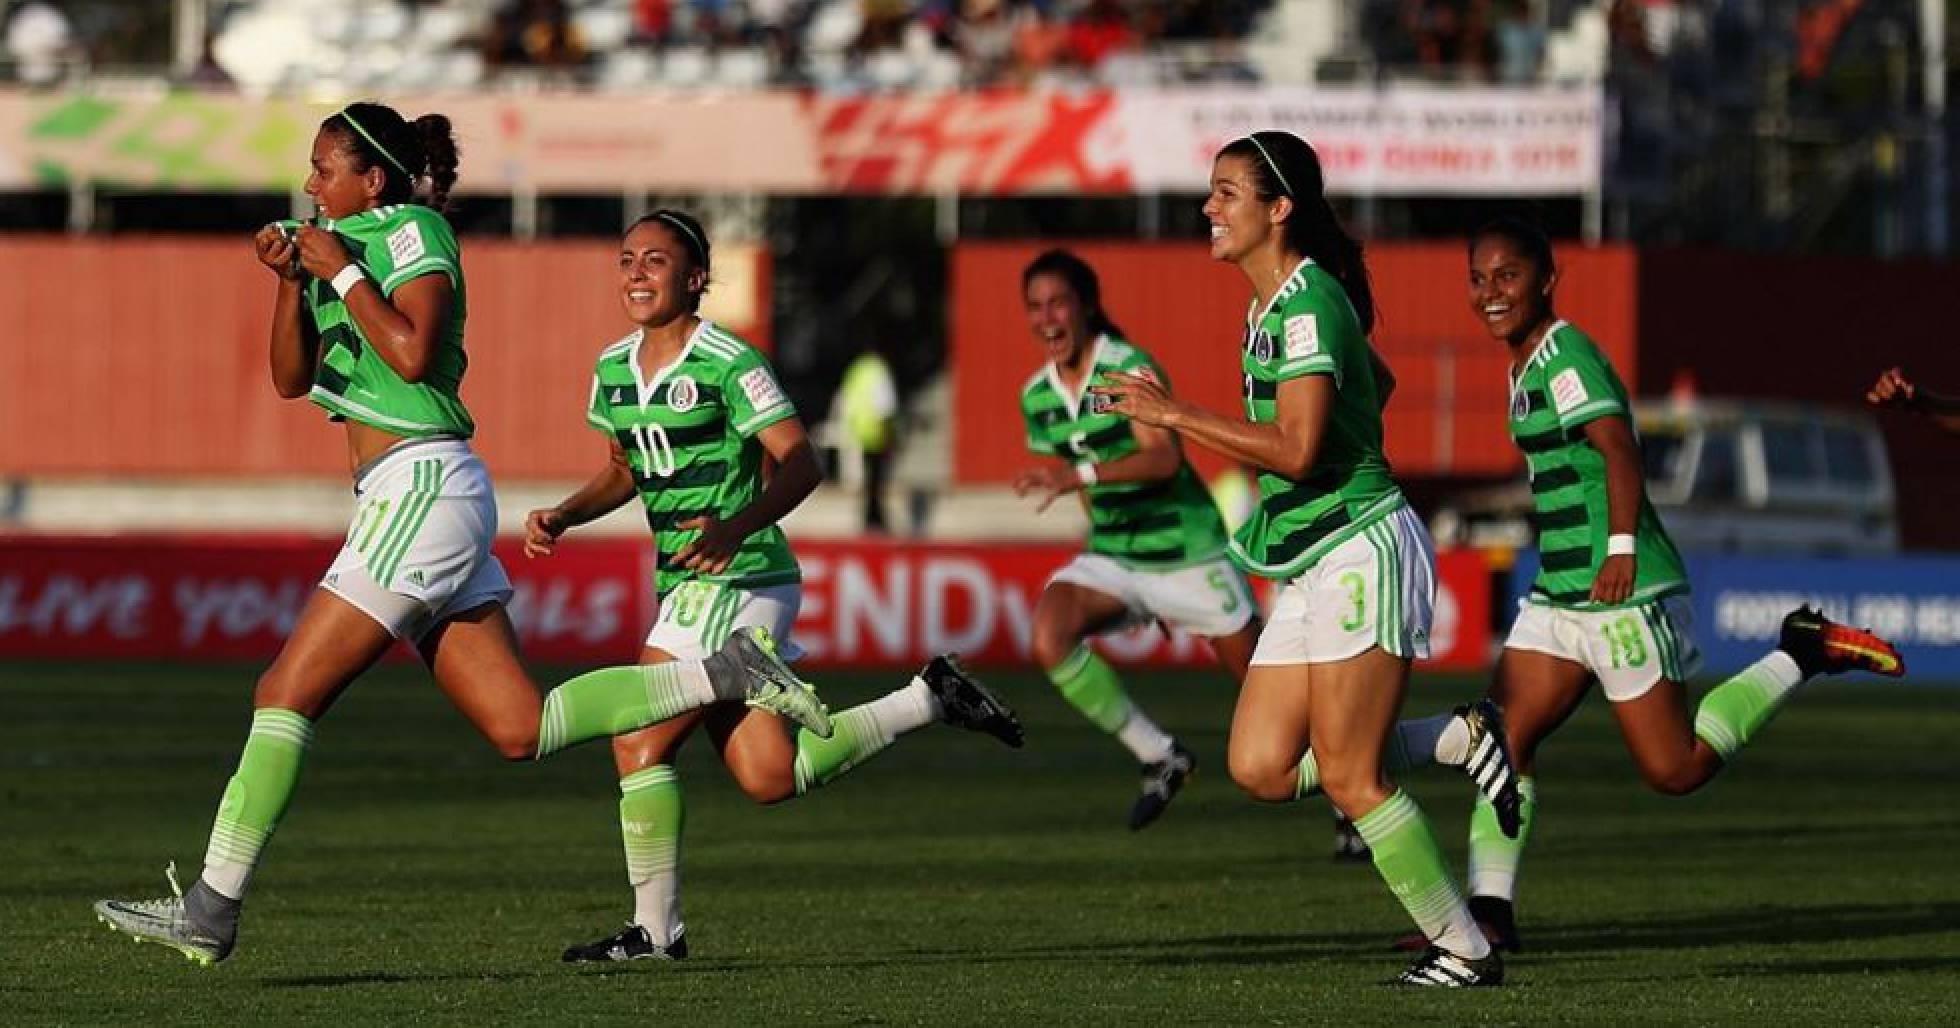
(1520, 404)
(682, 394)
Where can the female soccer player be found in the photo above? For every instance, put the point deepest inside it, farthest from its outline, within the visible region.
(1356, 565)
(1156, 543)
(368, 323)
(1610, 602)
(690, 413)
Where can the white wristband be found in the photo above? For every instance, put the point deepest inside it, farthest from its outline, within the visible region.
(349, 277)
(1086, 471)
(1619, 545)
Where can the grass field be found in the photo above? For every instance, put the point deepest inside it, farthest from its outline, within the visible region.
(955, 882)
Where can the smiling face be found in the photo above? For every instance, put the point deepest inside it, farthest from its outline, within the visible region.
(337, 185)
(1057, 317)
(658, 281)
(1241, 223)
(1509, 292)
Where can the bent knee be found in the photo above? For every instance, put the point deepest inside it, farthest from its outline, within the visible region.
(1265, 779)
(767, 786)
(514, 742)
(1673, 781)
(1052, 646)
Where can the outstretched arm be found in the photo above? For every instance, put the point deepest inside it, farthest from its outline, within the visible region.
(1288, 445)
(1894, 389)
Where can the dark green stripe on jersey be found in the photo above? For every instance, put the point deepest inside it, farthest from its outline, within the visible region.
(692, 447)
(1161, 524)
(1564, 384)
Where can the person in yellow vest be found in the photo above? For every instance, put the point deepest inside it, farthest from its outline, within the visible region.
(867, 411)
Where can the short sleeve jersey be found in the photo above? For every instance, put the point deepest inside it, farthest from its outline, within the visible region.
(689, 436)
(1565, 383)
(1149, 526)
(392, 244)
(1309, 328)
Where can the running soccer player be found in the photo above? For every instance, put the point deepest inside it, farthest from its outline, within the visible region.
(1156, 548)
(1610, 602)
(1893, 389)
(368, 323)
(691, 413)
(1356, 565)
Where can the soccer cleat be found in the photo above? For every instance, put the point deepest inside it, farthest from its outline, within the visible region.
(769, 684)
(967, 703)
(632, 943)
(1489, 764)
(171, 922)
(1438, 968)
(1161, 781)
(1821, 646)
(1349, 846)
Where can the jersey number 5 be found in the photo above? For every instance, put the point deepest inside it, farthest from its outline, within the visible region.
(656, 453)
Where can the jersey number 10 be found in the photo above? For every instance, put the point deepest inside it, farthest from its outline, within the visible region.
(656, 453)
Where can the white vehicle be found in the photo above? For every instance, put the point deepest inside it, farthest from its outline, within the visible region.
(1763, 477)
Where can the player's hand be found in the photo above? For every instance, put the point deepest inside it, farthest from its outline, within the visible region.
(1051, 482)
(713, 550)
(1614, 583)
(321, 253)
(1138, 397)
(1892, 389)
(276, 251)
(542, 527)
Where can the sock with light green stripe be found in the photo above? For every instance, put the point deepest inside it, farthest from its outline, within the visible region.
(255, 798)
(1494, 856)
(1091, 686)
(650, 820)
(1410, 861)
(1732, 713)
(614, 700)
(861, 733)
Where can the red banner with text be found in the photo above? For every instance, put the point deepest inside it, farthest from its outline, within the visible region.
(865, 604)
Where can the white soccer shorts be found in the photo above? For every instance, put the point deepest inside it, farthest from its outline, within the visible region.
(419, 548)
(1376, 589)
(1209, 600)
(696, 617)
(1628, 649)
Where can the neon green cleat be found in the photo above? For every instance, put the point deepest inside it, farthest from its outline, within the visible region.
(768, 683)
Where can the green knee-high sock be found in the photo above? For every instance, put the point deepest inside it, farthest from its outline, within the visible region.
(650, 820)
(1090, 685)
(1734, 712)
(861, 733)
(1410, 861)
(255, 798)
(1494, 856)
(614, 700)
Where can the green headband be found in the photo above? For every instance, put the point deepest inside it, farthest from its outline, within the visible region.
(1284, 186)
(348, 113)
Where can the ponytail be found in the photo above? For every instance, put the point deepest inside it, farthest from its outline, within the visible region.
(419, 158)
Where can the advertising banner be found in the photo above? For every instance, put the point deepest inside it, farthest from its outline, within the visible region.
(865, 604)
(1394, 141)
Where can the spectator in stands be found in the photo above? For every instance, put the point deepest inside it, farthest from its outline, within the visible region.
(39, 39)
(538, 33)
(1519, 37)
(1101, 28)
(653, 21)
(1452, 37)
(984, 37)
(1040, 42)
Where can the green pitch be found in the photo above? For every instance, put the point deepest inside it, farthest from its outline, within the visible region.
(419, 879)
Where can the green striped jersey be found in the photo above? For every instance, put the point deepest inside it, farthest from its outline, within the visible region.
(689, 436)
(1565, 383)
(1145, 525)
(393, 244)
(1309, 328)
